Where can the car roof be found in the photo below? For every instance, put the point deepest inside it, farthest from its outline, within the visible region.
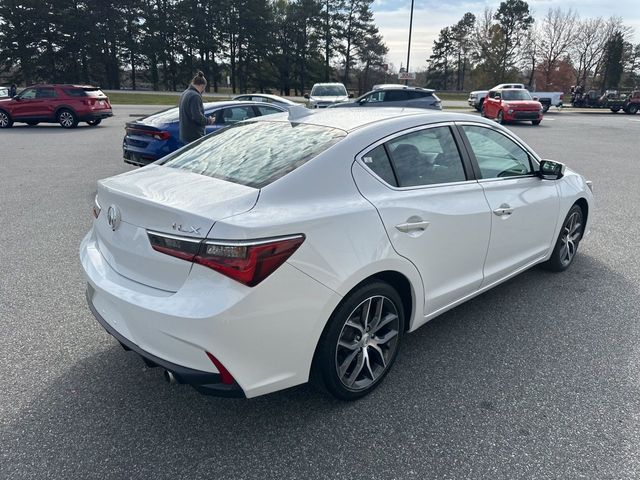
(265, 95)
(67, 85)
(392, 86)
(231, 103)
(329, 83)
(350, 119)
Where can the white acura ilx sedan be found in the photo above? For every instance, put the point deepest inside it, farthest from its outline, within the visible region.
(305, 245)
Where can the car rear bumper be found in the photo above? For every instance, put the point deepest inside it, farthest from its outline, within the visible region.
(137, 159)
(264, 336)
(522, 116)
(96, 115)
(207, 383)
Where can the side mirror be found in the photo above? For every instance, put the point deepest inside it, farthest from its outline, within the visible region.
(498, 97)
(306, 95)
(15, 97)
(550, 170)
(351, 95)
(535, 99)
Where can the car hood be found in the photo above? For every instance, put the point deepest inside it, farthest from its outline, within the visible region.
(340, 98)
(5, 99)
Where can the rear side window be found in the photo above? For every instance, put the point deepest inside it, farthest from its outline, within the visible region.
(45, 92)
(396, 96)
(418, 94)
(426, 157)
(378, 161)
(84, 92)
(266, 110)
(255, 153)
(229, 116)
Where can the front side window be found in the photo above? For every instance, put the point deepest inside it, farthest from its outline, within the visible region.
(255, 153)
(374, 97)
(28, 94)
(426, 157)
(497, 155)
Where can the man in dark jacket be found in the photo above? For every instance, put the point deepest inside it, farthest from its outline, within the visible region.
(192, 119)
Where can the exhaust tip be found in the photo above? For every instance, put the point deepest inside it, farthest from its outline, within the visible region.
(170, 377)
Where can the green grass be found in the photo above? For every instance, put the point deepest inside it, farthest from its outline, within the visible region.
(452, 96)
(117, 98)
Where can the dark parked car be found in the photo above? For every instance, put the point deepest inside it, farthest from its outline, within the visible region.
(64, 104)
(396, 96)
(150, 138)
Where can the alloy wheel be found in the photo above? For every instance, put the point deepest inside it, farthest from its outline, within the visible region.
(66, 119)
(4, 120)
(367, 343)
(571, 231)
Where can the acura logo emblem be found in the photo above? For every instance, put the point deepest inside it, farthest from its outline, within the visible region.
(113, 217)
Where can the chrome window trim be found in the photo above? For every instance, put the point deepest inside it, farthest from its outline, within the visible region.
(360, 161)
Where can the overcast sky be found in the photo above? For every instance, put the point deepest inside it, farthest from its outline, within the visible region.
(430, 16)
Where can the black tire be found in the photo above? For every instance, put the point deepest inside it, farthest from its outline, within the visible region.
(361, 343)
(535, 122)
(93, 123)
(5, 119)
(545, 108)
(32, 124)
(66, 118)
(558, 262)
(500, 117)
(632, 109)
(615, 109)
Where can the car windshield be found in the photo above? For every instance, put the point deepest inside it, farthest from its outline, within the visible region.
(329, 91)
(515, 95)
(255, 153)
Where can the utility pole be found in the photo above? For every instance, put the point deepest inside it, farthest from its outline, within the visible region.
(406, 82)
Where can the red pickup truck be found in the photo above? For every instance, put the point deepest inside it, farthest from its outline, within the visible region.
(512, 105)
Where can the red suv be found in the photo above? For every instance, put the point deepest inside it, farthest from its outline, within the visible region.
(63, 104)
(512, 105)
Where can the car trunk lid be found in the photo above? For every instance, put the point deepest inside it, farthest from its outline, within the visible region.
(164, 200)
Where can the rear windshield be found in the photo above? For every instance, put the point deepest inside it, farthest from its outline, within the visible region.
(255, 153)
(84, 92)
(169, 115)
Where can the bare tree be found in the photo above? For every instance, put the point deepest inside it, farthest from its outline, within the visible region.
(556, 36)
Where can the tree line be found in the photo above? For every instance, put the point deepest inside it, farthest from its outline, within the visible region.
(556, 51)
(260, 45)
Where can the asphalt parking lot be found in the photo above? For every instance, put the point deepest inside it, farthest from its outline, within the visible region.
(537, 379)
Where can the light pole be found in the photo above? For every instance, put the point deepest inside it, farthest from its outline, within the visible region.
(406, 82)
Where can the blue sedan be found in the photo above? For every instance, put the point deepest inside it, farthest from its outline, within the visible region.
(150, 138)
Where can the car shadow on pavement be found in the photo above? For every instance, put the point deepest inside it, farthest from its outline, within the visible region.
(533, 375)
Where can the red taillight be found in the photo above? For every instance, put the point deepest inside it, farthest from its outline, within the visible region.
(225, 376)
(158, 135)
(247, 262)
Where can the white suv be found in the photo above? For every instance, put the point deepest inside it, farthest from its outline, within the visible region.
(324, 94)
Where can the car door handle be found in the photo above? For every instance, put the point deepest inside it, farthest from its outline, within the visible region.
(503, 210)
(412, 226)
